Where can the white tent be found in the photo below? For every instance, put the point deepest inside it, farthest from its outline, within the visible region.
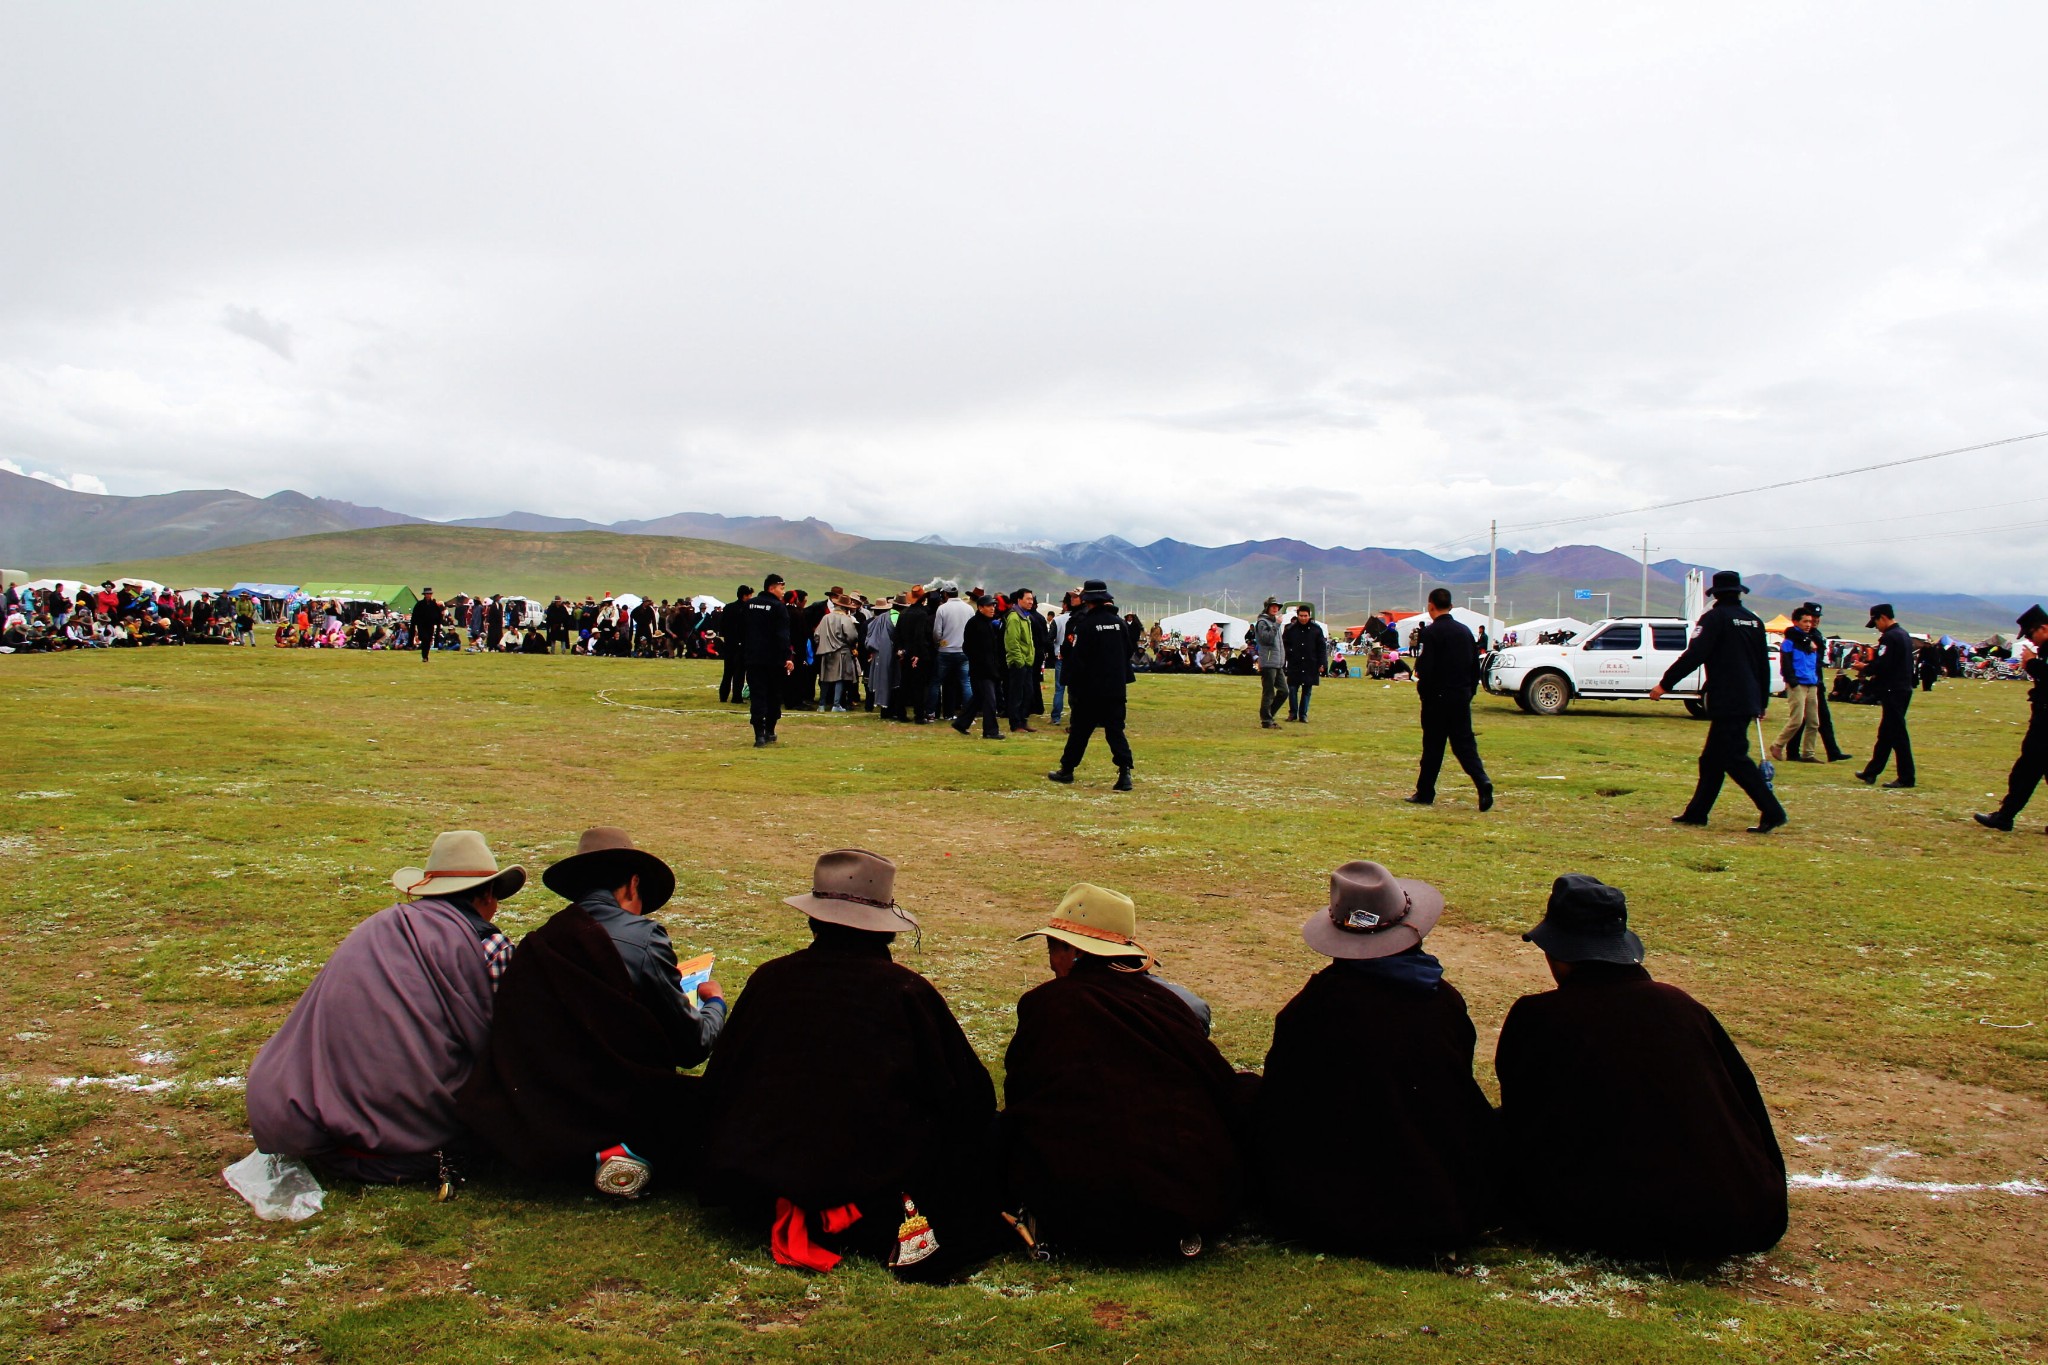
(626, 601)
(148, 585)
(704, 601)
(1194, 625)
(60, 584)
(1527, 632)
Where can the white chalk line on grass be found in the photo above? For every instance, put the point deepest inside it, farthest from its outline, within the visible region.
(604, 696)
(1883, 1180)
(143, 1085)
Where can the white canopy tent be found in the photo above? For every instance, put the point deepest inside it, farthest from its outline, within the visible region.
(704, 601)
(1527, 632)
(1194, 625)
(148, 585)
(626, 601)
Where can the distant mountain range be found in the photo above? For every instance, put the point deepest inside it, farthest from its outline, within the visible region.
(43, 527)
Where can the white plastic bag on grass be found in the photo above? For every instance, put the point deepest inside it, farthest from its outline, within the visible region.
(277, 1187)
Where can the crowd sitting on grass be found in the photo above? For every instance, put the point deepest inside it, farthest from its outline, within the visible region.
(842, 1110)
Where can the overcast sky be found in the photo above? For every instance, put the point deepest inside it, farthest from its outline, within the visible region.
(1356, 273)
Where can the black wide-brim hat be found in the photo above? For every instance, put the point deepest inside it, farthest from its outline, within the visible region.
(1586, 921)
(606, 859)
(2032, 619)
(1727, 580)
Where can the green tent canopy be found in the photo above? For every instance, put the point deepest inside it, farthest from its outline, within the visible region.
(397, 598)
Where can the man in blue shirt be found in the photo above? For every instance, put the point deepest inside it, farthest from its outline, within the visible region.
(1799, 665)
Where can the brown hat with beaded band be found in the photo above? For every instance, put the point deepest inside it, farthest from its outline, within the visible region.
(856, 888)
(1095, 920)
(1372, 913)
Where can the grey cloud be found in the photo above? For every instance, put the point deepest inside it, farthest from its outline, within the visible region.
(270, 333)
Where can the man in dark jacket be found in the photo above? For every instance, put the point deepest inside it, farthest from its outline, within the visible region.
(1122, 1123)
(844, 1087)
(1893, 676)
(1729, 643)
(1268, 638)
(1376, 1049)
(1446, 676)
(732, 647)
(592, 1028)
(1308, 658)
(769, 662)
(2032, 764)
(1631, 1126)
(1096, 664)
(558, 624)
(916, 654)
(982, 644)
(427, 615)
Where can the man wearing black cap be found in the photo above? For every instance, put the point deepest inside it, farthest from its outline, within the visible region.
(1631, 1124)
(1446, 676)
(732, 647)
(1729, 643)
(1834, 751)
(1895, 675)
(2033, 759)
(769, 661)
(1097, 665)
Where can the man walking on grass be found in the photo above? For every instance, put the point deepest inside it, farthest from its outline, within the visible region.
(1896, 675)
(769, 661)
(1446, 676)
(1729, 642)
(2033, 760)
(1097, 657)
(427, 615)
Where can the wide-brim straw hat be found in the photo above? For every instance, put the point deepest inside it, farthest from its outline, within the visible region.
(1372, 913)
(605, 859)
(459, 860)
(856, 888)
(1097, 921)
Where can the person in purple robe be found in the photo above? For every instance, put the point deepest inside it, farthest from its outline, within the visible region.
(361, 1079)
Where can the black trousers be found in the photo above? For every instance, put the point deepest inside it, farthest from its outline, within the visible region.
(912, 682)
(2028, 771)
(1448, 720)
(732, 683)
(764, 690)
(983, 704)
(1024, 699)
(426, 646)
(1089, 715)
(1829, 745)
(1892, 737)
(1726, 755)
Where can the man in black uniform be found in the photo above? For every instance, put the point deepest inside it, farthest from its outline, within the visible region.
(427, 615)
(768, 658)
(732, 644)
(558, 624)
(1446, 676)
(1729, 642)
(2033, 760)
(1895, 675)
(1096, 662)
(1835, 752)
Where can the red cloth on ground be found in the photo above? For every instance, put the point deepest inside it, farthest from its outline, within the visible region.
(790, 1238)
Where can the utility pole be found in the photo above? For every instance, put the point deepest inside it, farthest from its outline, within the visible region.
(1421, 593)
(1297, 584)
(1646, 574)
(1492, 578)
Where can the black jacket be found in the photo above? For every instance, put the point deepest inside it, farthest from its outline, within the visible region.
(1447, 665)
(427, 615)
(1307, 650)
(732, 626)
(982, 643)
(2037, 669)
(767, 630)
(1096, 659)
(1729, 643)
(1893, 668)
(914, 632)
(558, 616)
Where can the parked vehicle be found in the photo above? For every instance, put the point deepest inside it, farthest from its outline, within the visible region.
(1619, 659)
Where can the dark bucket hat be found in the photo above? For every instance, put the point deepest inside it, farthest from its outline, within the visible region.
(2032, 619)
(606, 858)
(1586, 921)
(1727, 580)
(1095, 590)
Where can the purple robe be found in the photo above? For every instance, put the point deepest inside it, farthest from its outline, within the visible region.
(373, 1053)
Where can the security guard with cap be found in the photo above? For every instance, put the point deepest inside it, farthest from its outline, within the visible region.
(2033, 760)
(1729, 643)
(766, 643)
(1896, 672)
(1097, 658)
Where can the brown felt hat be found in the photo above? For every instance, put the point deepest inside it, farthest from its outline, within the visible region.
(605, 859)
(1372, 913)
(856, 888)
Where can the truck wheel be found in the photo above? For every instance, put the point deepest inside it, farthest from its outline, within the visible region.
(1547, 694)
(1522, 704)
(1695, 708)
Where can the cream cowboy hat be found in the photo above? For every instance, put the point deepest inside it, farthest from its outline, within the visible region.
(459, 860)
(1095, 920)
(856, 888)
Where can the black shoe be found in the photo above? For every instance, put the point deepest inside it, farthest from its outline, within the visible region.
(923, 720)
(1994, 821)
(1123, 780)
(760, 741)
(1869, 779)
(1700, 820)
(773, 738)
(1064, 776)
(1896, 785)
(1767, 824)
(1418, 799)
(998, 735)
(960, 729)
(1269, 725)
(1486, 798)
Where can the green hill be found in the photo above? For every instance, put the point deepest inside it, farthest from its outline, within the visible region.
(453, 559)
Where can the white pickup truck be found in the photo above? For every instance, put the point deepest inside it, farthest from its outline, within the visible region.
(1616, 660)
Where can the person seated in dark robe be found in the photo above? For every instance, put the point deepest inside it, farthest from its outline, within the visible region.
(1631, 1126)
(1375, 1055)
(848, 1112)
(594, 1029)
(1122, 1124)
(362, 1078)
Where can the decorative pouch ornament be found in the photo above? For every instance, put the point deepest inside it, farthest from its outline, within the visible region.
(915, 1239)
(621, 1172)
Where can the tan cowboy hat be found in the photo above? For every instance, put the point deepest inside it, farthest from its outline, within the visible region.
(605, 859)
(459, 860)
(1095, 920)
(856, 888)
(1372, 913)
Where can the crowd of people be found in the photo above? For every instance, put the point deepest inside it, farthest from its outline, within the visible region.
(843, 1111)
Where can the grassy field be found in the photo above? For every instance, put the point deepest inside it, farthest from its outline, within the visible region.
(185, 836)
(453, 559)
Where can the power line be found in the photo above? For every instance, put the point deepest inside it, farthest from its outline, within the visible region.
(1778, 533)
